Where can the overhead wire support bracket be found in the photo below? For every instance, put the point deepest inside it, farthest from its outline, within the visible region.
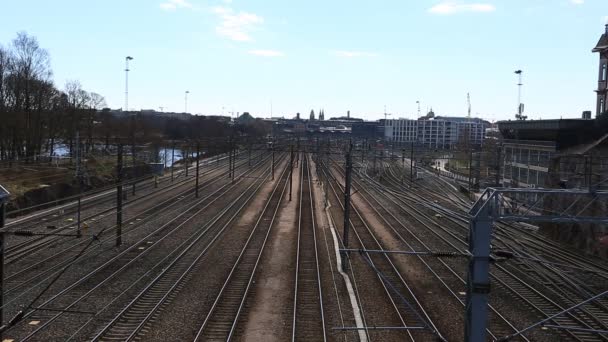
(492, 206)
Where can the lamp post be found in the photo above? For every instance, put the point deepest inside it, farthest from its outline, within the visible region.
(520, 107)
(127, 59)
(186, 101)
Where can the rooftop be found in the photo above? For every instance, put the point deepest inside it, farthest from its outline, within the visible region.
(602, 44)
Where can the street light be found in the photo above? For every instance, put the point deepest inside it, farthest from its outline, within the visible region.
(520, 106)
(186, 101)
(127, 59)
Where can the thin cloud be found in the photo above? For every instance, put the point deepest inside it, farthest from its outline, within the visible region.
(577, 2)
(172, 5)
(351, 54)
(267, 53)
(236, 26)
(454, 7)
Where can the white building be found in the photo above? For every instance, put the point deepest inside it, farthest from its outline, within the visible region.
(436, 132)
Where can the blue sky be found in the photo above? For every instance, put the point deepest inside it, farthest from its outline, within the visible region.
(335, 54)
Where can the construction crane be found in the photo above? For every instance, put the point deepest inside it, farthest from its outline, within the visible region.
(469, 104)
(386, 114)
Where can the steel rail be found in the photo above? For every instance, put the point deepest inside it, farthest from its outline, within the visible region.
(141, 309)
(128, 259)
(238, 281)
(391, 268)
(307, 301)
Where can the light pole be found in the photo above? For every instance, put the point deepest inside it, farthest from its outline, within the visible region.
(127, 59)
(520, 107)
(186, 101)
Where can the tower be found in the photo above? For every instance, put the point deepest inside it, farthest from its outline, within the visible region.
(602, 85)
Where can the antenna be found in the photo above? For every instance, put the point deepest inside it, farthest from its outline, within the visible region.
(469, 103)
(418, 103)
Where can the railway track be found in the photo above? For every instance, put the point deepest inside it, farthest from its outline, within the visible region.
(170, 236)
(28, 246)
(140, 312)
(520, 288)
(49, 263)
(448, 273)
(221, 321)
(308, 322)
(410, 318)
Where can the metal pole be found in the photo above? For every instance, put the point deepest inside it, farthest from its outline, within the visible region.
(186, 101)
(347, 185)
(172, 159)
(290, 171)
(2, 247)
(198, 153)
(185, 157)
(233, 162)
(411, 164)
(272, 162)
(119, 197)
(498, 158)
(478, 279)
(79, 180)
(403, 163)
(127, 59)
(229, 157)
(375, 156)
(326, 164)
(470, 169)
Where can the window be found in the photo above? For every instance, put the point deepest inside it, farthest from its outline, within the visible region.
(604, 71)
(601, 105)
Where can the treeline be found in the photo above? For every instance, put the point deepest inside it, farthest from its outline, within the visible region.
(36, 116)
(34, 113)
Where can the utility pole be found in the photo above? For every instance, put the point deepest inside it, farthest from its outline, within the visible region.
(298, 152)
(229, 158)
(470, 169)
(498, 158)
(172, 159)
(198, 153)
(403, 163)
(272, 161)
(3, 199)
(347, 185)
(326, 163)
(79, 180)
(119, 197)
(412, 164)
(375, 157)
(233, 166)
(185, 157)
(290, 170)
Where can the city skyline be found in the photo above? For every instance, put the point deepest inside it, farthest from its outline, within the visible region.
(234, 56)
